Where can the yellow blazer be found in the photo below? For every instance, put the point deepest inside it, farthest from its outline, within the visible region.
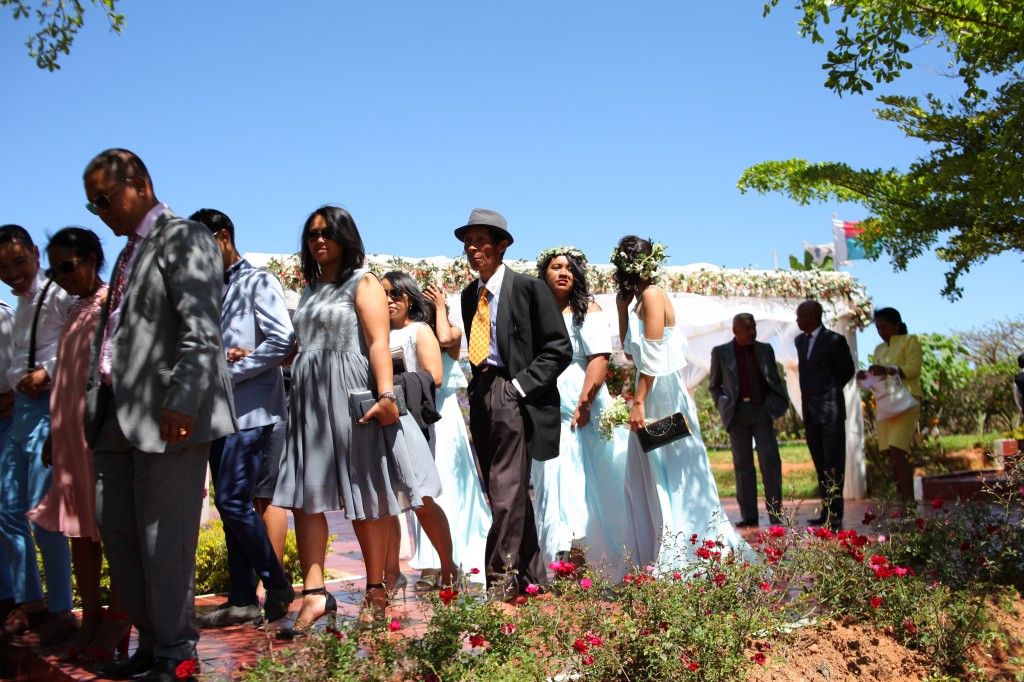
(903, 351)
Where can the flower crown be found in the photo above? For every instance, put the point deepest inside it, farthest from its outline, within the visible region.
(643, 266)
(571, 251)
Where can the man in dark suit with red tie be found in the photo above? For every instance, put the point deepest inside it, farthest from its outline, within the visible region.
(518, 345)
(749, 395)
(826, 366)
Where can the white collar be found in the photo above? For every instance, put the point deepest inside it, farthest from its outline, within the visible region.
(493, 284)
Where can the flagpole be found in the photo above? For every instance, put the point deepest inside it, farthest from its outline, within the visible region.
(775, 259)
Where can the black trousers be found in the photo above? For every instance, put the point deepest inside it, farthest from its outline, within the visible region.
(827, 443)
(752, 423)
(499, 436)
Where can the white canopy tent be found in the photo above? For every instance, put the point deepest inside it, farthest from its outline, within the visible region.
(706, 318)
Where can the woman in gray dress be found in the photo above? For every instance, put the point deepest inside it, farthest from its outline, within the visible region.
(373, 467)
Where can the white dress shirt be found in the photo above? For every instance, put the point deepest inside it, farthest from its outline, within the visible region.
(52, 317)
(6, 345)
(493, 286)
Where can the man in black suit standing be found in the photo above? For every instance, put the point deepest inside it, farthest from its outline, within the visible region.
(749, 395)
(826, 366)
(518, 345)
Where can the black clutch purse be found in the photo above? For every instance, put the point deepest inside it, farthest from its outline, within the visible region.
(363, 400)
(663, 432)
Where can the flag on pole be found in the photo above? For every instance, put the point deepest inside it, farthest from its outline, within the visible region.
(819, 252)
(845, 235)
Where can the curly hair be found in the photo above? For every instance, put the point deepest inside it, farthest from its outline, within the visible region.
(342, 230)
(631, 248)
(580, 297)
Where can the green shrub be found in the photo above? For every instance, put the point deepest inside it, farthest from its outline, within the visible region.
(212, 558)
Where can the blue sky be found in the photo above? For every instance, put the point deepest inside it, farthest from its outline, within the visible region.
(579, 121)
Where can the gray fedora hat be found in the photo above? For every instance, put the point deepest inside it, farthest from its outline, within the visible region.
(482, 217)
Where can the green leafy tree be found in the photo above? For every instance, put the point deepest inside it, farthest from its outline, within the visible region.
(965, 196)
(944, 372)
(59, 22)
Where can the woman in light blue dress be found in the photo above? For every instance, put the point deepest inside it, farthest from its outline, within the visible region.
(417, 316)
(579, 502)
(671, 493)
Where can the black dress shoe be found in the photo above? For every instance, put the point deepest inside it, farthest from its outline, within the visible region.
(172, 670)
(747, 523)
(140, 662)
(277, 602)
(817, 521)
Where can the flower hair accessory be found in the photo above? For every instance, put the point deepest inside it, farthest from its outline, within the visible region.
(571, 251)
(643, 266)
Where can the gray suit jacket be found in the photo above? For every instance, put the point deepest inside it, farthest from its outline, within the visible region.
(724, 382)
(254, 316)
(167, 350)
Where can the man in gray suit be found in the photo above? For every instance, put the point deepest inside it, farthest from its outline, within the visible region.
(258, 335)
(749, 395)
(159, 392)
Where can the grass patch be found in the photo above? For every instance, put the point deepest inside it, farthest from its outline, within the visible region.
(799, 480)
(965, 441)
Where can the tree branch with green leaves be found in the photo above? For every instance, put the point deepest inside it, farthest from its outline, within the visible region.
(59, 22)
(964, 197)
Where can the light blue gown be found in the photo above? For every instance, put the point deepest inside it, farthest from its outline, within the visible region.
(670, 492)
(463, 499)
(579, 493)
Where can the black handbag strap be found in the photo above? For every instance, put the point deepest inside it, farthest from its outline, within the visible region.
(35, 326)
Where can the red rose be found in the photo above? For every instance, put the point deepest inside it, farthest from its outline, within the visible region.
(476, 640)
(447, 595)
(186, 669)
(580, 646)
(759, 658)
(876, 602)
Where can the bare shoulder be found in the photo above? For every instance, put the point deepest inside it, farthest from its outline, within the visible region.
(594, 307)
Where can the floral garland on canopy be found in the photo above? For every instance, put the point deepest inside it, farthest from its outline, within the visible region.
(836, 287)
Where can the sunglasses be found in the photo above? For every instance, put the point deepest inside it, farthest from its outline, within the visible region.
(316, 235)
(65, 267)
(102, 201)
(395, 295)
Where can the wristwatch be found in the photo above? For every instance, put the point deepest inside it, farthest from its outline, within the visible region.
(390, 395)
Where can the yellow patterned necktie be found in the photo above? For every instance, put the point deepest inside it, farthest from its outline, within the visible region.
(480, 331)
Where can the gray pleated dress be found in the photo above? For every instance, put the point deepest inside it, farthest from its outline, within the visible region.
(330, 461)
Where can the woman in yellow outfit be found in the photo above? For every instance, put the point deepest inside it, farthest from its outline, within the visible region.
(898, 354)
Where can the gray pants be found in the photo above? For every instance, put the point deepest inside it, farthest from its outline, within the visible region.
(751, 422)
(148, 506)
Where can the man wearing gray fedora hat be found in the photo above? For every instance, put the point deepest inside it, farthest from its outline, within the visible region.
(518, 345)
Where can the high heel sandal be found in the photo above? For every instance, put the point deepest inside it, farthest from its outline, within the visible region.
(401, 583)
(375, 601)
(330, 610)
(86, 637)
(105, 646)
(428, 580)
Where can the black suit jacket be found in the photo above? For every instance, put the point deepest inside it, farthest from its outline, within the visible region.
(724, 382)
(534, 345)
(823, 376)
